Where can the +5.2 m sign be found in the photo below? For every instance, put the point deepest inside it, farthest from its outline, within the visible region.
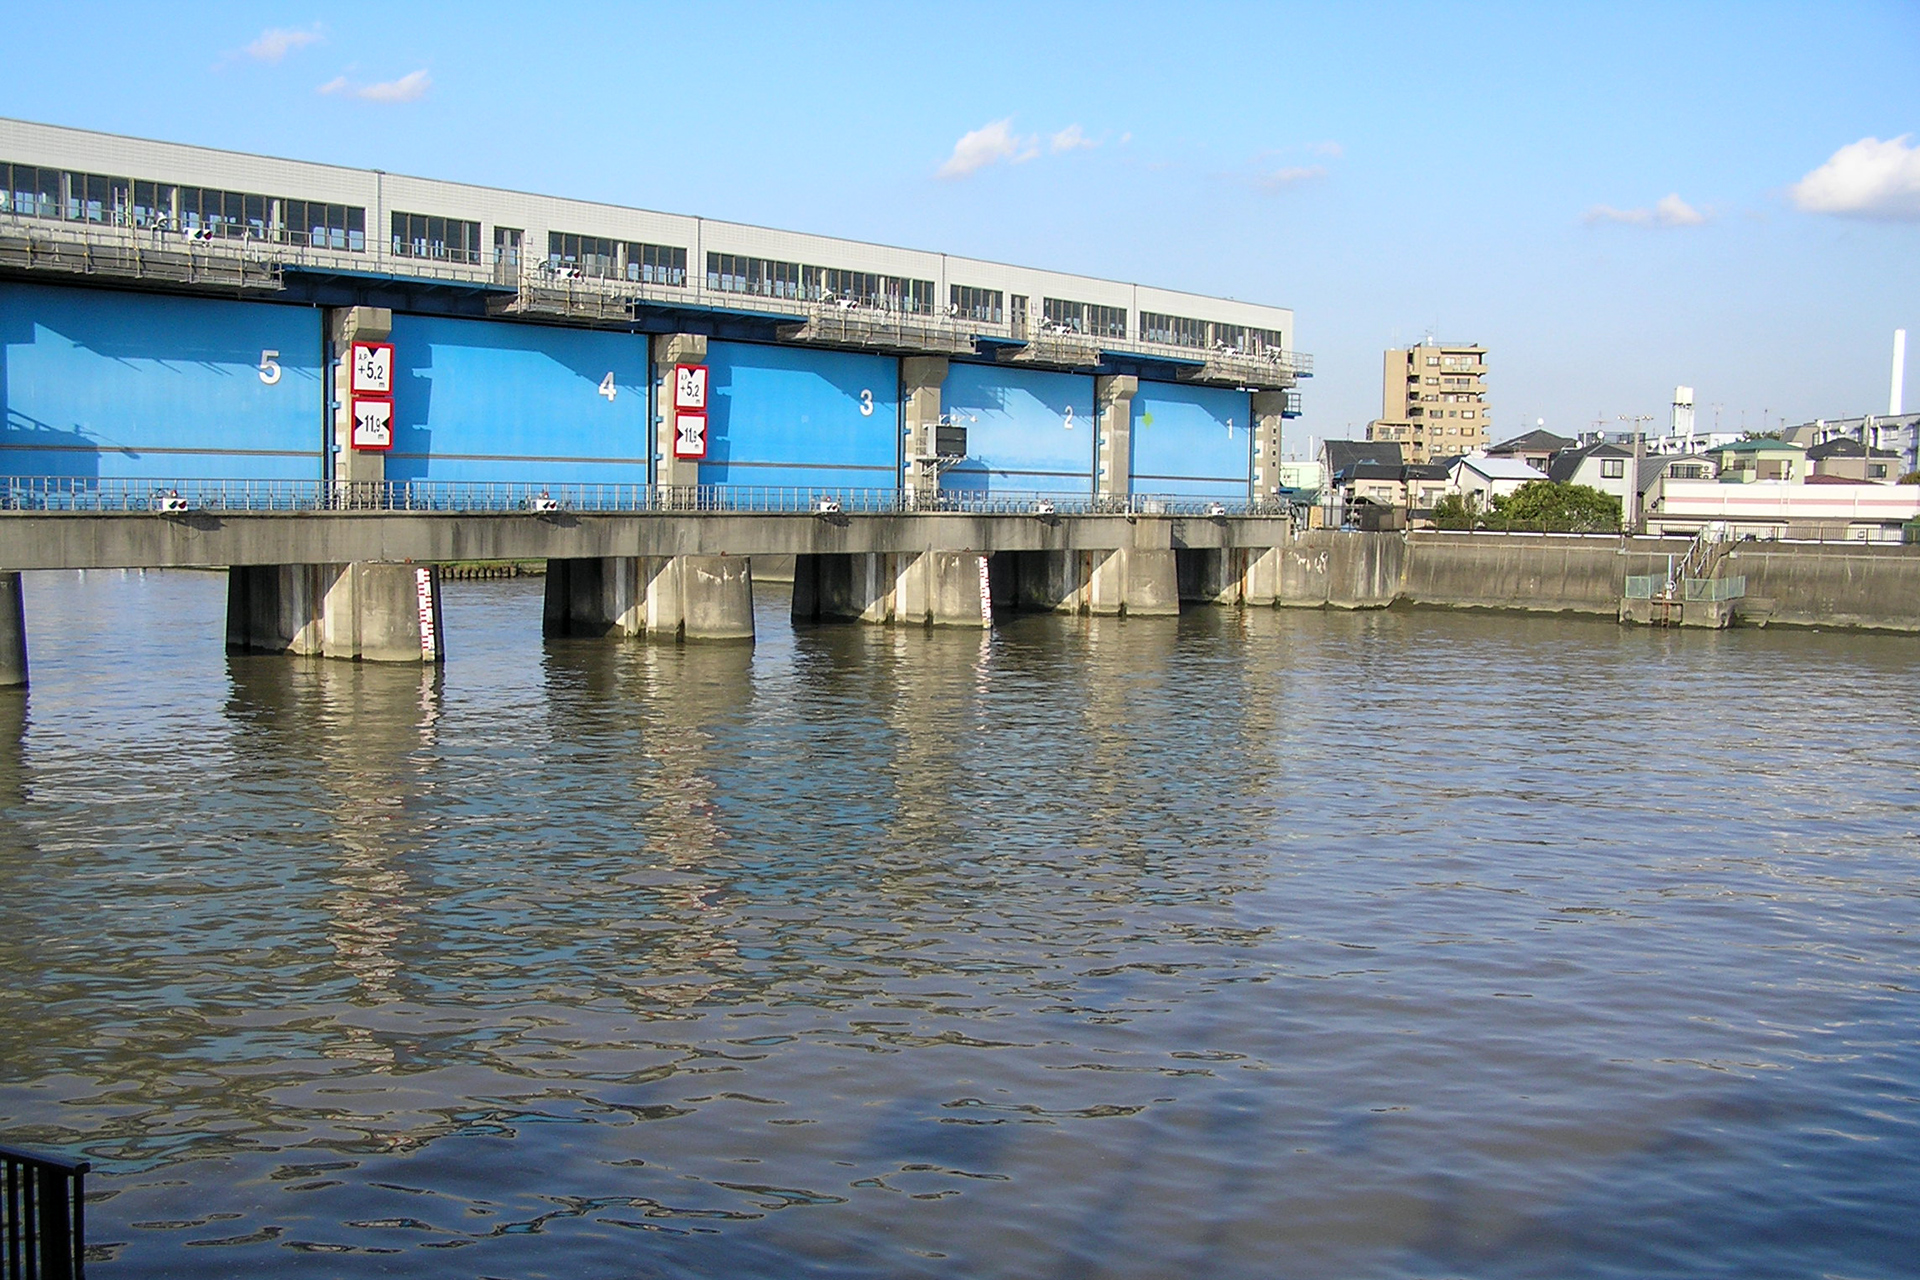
(370, 387)
(690, 411)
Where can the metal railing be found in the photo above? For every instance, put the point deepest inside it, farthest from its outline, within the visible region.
(42, 1216)
(1715, 589)
(460, 497)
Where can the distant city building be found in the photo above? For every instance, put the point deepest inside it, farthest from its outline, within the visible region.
(1433, 400)
(1898, 434)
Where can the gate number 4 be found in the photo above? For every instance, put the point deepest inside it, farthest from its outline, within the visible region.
(606, 387)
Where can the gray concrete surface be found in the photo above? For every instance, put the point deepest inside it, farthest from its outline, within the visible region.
(67, 540)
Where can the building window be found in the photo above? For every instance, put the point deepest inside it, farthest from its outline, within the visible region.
(761, 277)
(1172, 331)
(420, 235)
(605, 259)
(1084, 317)
(318, 225)
(983, 305)
(1466, 413)
(1613, 468)
(1433, 362)
(912, 296)
(506, 246)
(657, 264)
(203, 212)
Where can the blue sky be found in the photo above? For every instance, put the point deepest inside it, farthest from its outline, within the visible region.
(1485, 172)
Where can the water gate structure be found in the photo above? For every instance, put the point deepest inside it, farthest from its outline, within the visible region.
(330, 381)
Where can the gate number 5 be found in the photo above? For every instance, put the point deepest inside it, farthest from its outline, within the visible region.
(269, 367)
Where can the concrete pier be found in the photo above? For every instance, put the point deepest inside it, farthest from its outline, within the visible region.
(944, 589)
(659, 597)
(1138, 582)
(13, 632)
(363, 612)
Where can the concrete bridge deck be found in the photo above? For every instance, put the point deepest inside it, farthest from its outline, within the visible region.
(203, 539)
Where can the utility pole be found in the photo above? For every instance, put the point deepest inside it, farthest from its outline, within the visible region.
(1632, 505)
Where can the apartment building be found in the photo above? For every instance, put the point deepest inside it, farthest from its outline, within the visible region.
(1433, 400)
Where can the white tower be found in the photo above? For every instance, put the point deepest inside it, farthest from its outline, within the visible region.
(1899, 371)
(1681, 423)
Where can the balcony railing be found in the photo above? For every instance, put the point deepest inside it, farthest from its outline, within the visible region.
(43, 1226)
(183, 499)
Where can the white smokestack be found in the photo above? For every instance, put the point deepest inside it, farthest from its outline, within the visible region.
(1899, 371)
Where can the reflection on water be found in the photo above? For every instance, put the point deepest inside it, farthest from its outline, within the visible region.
(1240, 944)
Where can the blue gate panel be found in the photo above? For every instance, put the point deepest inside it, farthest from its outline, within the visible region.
(1027, 430)
(800, 418)
(138, 386)
(1193, 441)
(477, 400)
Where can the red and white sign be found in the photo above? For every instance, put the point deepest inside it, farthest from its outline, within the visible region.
(690, 387)
(689, 435)
(372, 424)
(372, 369)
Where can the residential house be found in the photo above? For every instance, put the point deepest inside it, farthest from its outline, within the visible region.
(1606, 467)
(1750, 461)
(1837, 509)
(1338, 457)
(1847, 458)
(1536, 449)
(1482, 479)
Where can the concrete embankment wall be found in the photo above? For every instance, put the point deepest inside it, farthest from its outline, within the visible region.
(1832, 584)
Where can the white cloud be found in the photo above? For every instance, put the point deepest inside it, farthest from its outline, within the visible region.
(1293, 175)
(1669, 211)
(1331, 150)
(1865, 179)
(276, 43)
(989, 144)
(408, 88)
(1071, 139)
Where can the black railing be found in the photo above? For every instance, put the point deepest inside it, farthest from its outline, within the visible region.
(42, 1217)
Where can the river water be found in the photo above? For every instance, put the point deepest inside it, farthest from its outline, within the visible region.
(1239, 945)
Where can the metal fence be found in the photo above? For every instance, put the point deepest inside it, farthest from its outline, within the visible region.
(184, 497)
(1715, 589)
(42, 1216)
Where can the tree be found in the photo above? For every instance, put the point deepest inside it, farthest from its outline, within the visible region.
(1545, 507)
(1455, 511)
(1912, 477)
